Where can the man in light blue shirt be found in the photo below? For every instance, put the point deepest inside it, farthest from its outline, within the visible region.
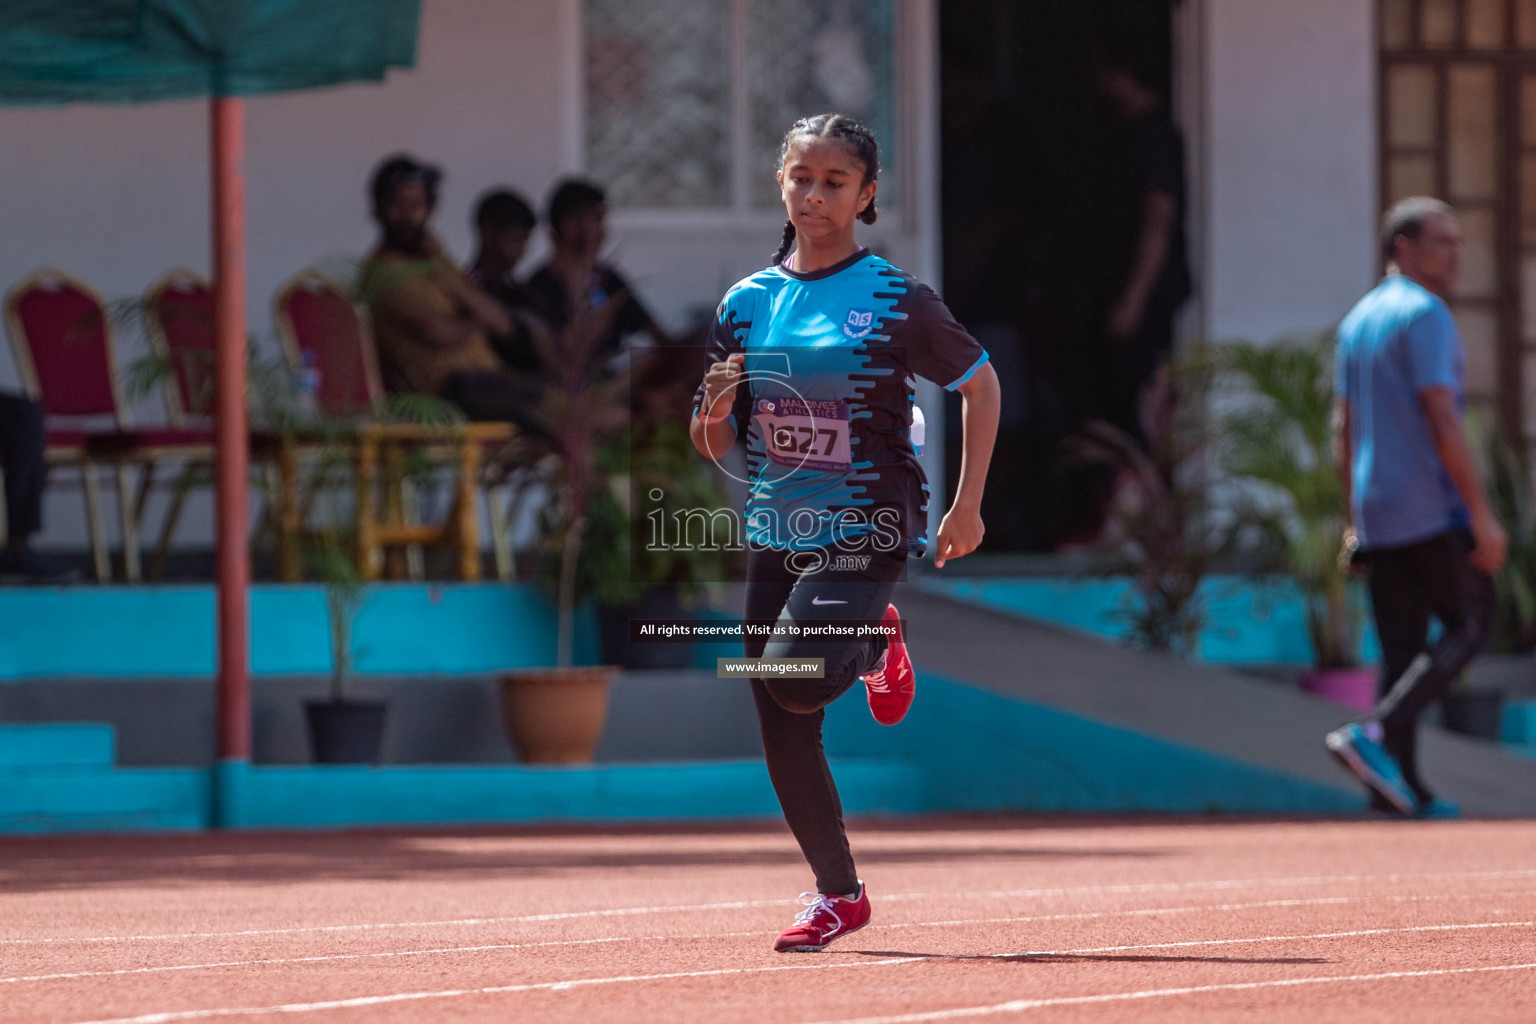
(1419, 521)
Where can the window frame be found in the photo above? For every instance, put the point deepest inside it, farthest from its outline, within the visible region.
(1514, 355)
(739, 213)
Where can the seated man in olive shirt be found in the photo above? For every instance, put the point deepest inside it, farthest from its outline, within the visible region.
(430, 321)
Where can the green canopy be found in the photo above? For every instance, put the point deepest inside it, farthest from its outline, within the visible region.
(131, 51)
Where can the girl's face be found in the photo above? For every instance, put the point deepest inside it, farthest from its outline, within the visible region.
(823, 188)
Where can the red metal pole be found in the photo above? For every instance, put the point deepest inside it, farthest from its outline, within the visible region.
(234, 698)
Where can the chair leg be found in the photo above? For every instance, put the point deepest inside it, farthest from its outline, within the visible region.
(391, 456)
(263, 475)
(365, 457)
(318, 479)
(89, 483)
(146, 481)
(525, 481)
(410, 503)
(130, 525)
(501, 532)
(464, 504)
(289, 517)
(172, 514)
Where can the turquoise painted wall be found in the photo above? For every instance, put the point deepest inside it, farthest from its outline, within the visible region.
(337, 796)
(165, 632)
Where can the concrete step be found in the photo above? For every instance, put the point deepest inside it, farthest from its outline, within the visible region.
(339, 796)
(84, 798)
(97, 799)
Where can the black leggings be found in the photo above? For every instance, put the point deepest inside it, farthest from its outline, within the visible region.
(1408, 584)
(790, 711)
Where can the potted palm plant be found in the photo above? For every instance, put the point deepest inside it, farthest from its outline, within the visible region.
(1162, 533)
(342, 729)
(638, 573)
(1514, 503)
(555, 714)
(1276, 446)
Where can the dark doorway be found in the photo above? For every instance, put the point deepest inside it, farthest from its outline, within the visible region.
(1042, 192)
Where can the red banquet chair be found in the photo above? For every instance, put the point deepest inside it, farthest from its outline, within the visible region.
(179, 319)
(62, 342)
(315, 317)
(317, 320)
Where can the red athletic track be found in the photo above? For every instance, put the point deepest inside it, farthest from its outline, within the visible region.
(996, 919)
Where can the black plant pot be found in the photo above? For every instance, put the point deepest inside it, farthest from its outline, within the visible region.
(345, 731)
(613, 631)
(1474, 712)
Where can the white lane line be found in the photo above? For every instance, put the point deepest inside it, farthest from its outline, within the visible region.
(458, 922)
(694, 908)
(309, 959)
(1085, 916)
(1021, 1005)
(543, 986)
(560, 986)
(1360, 933)
(1206, 908)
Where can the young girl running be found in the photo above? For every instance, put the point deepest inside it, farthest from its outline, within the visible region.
(812, 362)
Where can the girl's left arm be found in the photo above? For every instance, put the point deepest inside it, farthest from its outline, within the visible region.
(961, 529)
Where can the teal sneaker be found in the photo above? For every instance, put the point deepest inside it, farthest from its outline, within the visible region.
(1369, 762)
(1440, 808)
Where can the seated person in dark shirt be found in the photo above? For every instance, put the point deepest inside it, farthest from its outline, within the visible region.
(23, 439)
(430, 321)
(575, 281)
(503, 223)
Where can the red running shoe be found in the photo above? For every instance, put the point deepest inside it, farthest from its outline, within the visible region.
(823, 919)
(891, 684)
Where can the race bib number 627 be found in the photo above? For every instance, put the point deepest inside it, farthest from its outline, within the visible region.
(802, 434)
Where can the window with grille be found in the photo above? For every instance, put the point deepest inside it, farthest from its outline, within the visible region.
(687, 100)
(1458, 121)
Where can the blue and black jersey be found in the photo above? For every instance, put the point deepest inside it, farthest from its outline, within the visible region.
(826, 405)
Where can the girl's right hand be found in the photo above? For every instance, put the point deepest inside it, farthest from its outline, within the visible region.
(720, 385)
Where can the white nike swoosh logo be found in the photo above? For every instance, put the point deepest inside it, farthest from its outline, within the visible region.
(817, 600)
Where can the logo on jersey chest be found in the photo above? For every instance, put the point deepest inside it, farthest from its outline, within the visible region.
(860, 323)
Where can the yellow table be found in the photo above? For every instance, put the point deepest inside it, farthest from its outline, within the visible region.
(378, 452)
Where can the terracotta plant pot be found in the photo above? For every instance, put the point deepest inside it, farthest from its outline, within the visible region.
(1352, 687)
(555, 715)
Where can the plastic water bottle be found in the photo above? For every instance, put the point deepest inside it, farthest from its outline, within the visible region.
(308, 385)
(918, 428)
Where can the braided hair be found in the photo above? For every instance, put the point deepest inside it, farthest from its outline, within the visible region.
(858, 138)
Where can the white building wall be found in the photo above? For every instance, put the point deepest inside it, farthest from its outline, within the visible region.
(1287, 163)
(117, 195)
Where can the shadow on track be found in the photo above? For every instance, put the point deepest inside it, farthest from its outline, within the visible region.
(1121, 958)
(75, 862)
